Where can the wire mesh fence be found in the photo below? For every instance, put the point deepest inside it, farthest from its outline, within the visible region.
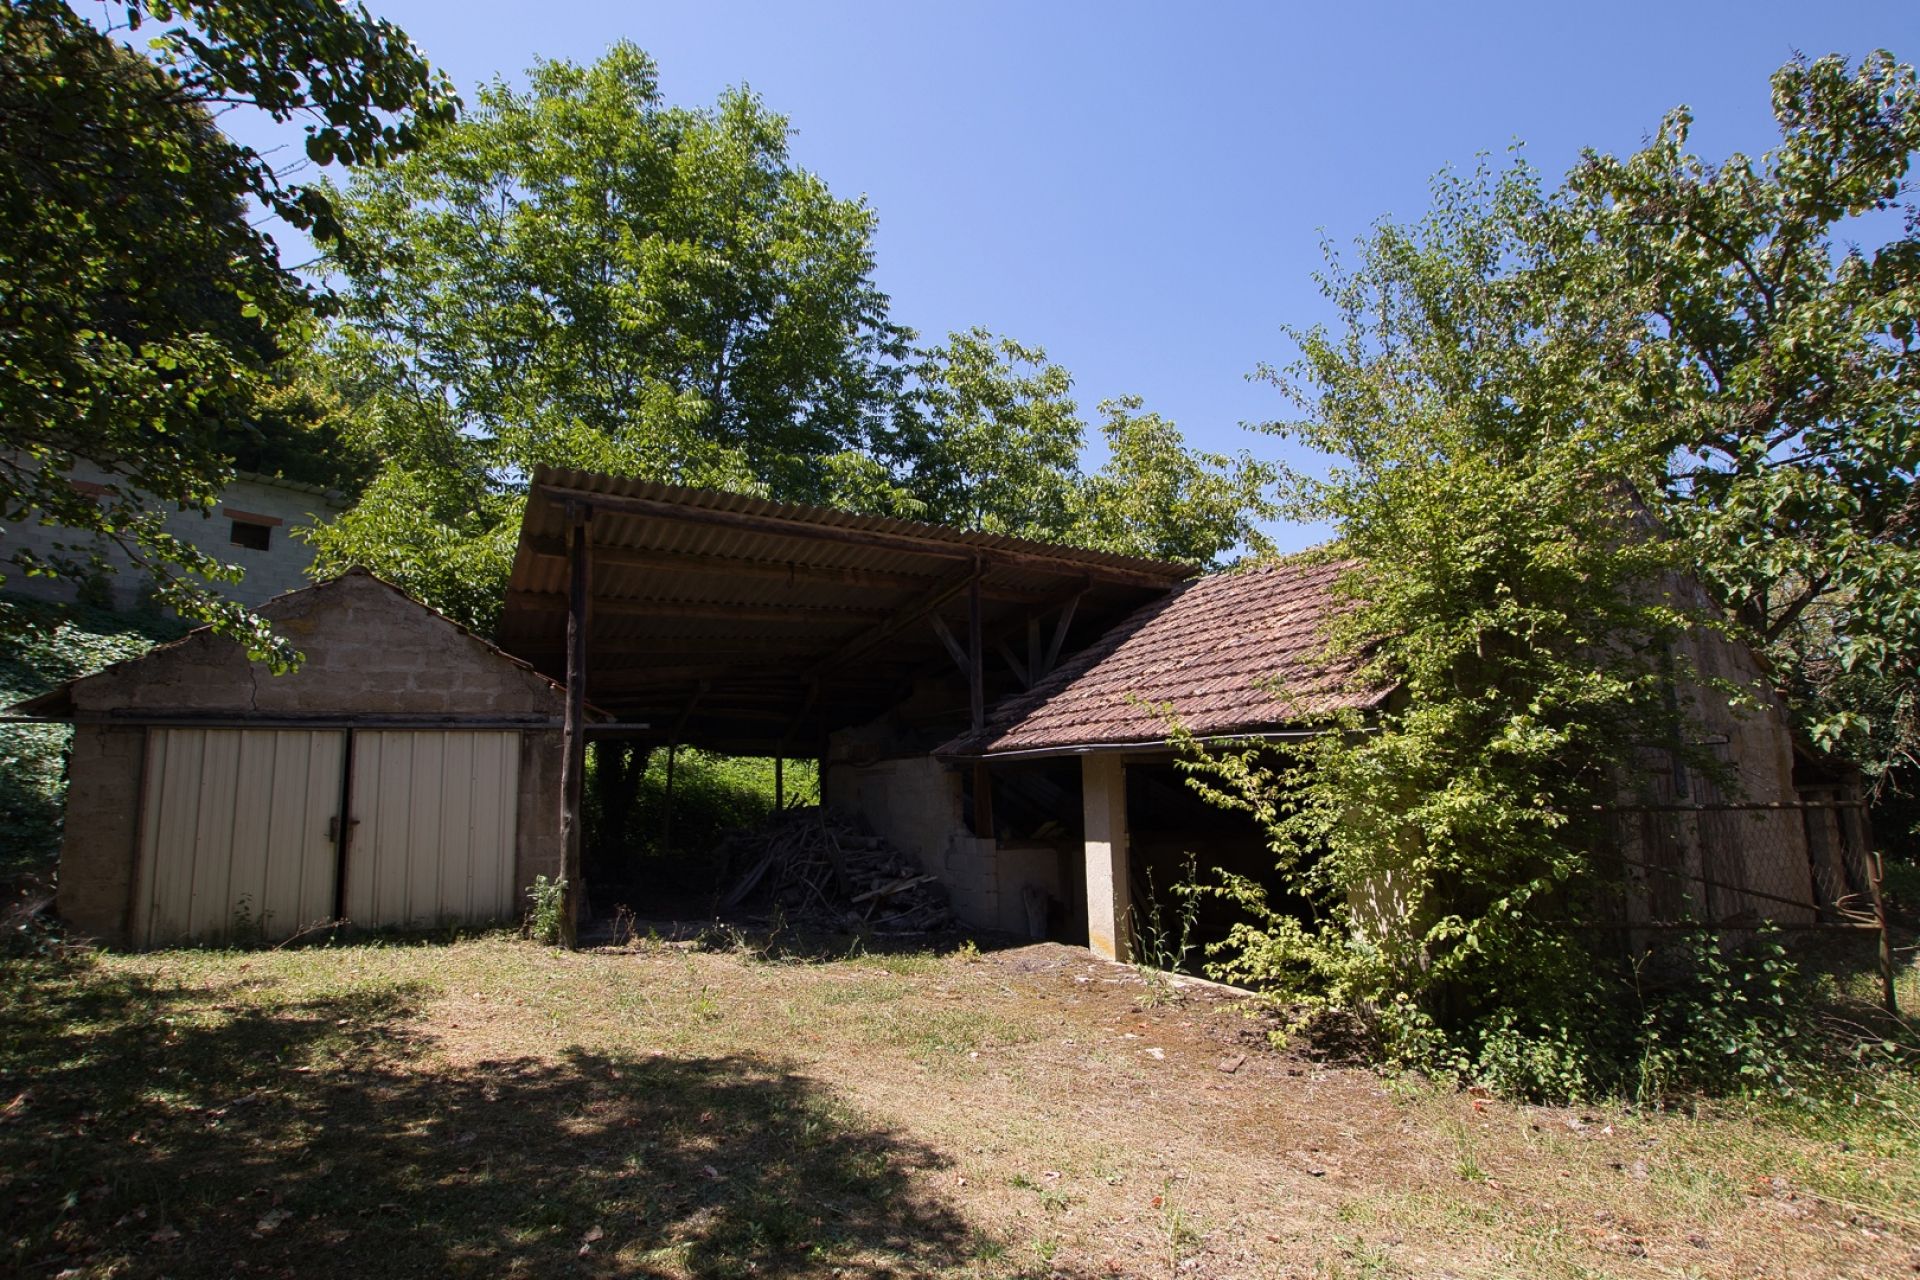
(1735, 868)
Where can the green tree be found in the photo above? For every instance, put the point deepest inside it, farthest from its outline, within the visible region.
(1505, 582)
(578, 274)
(1774, 355)
(996, 437)
(996, 442)
(141, 313)
(1156, 497)
(1549, 409)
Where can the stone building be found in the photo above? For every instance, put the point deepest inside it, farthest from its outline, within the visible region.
(253, 526)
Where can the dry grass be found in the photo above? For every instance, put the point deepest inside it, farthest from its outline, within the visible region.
(489, 1107)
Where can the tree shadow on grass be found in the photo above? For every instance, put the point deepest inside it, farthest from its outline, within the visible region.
(157, 1131)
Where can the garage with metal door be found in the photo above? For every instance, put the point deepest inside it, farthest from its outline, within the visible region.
(405, 776)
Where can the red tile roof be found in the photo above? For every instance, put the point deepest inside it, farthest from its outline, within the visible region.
(1241, 652)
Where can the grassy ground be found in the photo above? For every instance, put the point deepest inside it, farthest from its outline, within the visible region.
(489, 1107)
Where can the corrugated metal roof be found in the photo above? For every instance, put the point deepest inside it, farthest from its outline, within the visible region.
(1233, 653)
(721, 614)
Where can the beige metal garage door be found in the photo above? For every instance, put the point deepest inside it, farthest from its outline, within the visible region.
(437, 816)
(236, 834)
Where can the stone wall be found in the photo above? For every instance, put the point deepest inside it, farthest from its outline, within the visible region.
(1725, 866)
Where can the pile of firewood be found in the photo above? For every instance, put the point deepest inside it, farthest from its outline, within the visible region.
(818, 871)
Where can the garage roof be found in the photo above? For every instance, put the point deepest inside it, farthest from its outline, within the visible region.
(742, 624)
(1233, 653)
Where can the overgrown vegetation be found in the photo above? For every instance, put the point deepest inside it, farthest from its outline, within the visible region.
(42, 645)
(633, 840)
(1555, 412)
(144, 311)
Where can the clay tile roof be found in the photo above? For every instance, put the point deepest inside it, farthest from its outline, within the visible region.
(1233, 653)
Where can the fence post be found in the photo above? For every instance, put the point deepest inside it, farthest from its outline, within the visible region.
(1874, 878)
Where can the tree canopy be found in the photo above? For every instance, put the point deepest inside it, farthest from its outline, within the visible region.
(142, 314)
(579, 274)
(1551, 408)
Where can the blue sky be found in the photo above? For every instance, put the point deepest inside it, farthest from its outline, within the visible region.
(1143, 189)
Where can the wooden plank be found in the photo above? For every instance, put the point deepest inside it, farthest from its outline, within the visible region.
(718, 611)
(923, 544)
(1060, 633)
(976, 659)
(729, 566)
(919, 608)
(952, 645)
(982, 800)
(1014, 664)
(573, 742)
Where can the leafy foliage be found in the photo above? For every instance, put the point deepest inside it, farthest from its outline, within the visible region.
(996, 439)
(1774, 354)
(43, 645)
(141, 312)
(1553, 412)
(548, 902)
(712, 795)
(578, 274)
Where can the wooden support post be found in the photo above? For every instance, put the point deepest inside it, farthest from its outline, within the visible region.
(1034, 671)
(666, 818)
(779, 784)
(1877, 879)
(1103, 781)
(976, 657)
(1060, 634)
(573, 738)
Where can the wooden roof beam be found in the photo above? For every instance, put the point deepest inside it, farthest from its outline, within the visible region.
(615, 557)
(716, 610)
(915, 610)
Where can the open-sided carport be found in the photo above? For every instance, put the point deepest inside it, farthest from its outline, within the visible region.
(759, 628)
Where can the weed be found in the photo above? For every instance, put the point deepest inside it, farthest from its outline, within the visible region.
(1158, 988)
(549, 898)
(1466, 1165)
(1182, 1231)
(1163, 945)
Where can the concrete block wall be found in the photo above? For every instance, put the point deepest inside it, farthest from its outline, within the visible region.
(281, 567)
(100, 843)
(369, 651)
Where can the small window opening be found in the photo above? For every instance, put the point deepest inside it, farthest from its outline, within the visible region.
(254, 537)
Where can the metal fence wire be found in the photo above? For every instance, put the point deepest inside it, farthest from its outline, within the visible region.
(1735, 868)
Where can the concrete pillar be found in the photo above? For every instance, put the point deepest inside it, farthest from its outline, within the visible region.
(1103, 782)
